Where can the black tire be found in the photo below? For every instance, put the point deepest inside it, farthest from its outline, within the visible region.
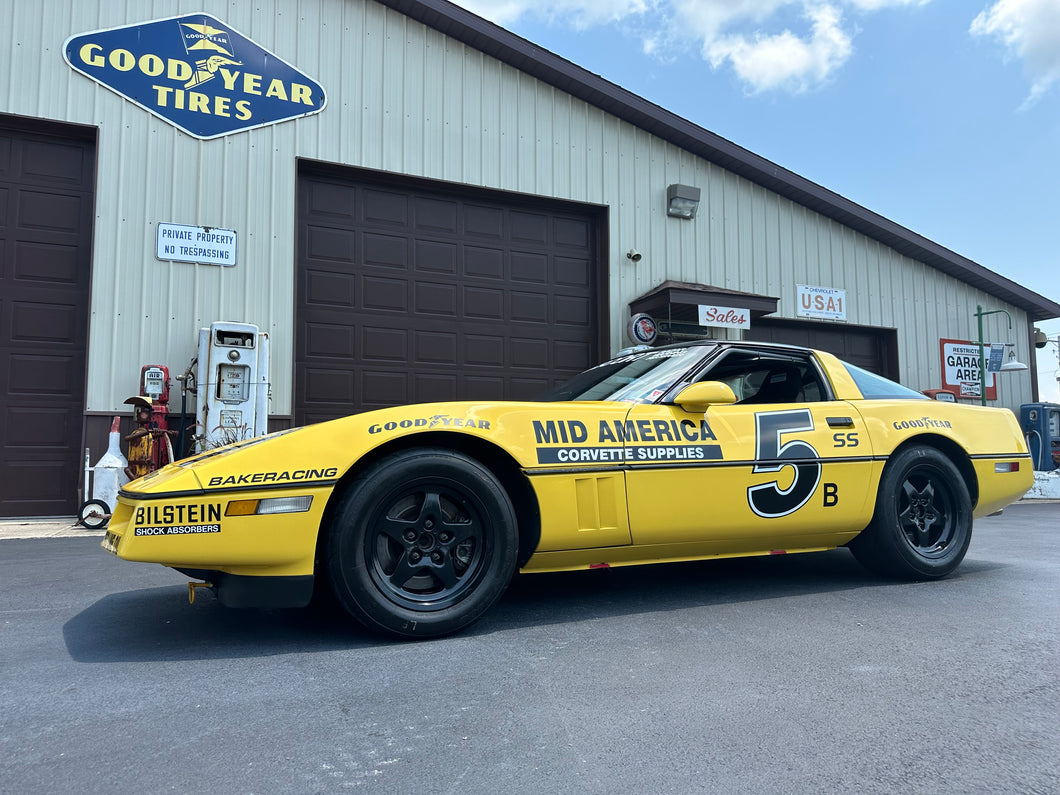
(922, 525)
(423, 544)
(94, 514)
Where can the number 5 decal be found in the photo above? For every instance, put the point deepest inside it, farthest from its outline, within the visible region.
(769, 500)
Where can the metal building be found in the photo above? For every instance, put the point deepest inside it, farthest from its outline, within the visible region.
(415, 204)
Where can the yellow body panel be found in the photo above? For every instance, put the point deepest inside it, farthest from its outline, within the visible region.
(713, 501)
(588, 511)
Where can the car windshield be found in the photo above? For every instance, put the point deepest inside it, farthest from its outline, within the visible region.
(641, 377)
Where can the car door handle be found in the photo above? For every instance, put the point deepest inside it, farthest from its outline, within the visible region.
(840, 422)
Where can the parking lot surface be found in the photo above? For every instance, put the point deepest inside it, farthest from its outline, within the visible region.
(782, 674)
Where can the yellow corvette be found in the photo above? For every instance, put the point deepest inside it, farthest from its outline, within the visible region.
(417, 517)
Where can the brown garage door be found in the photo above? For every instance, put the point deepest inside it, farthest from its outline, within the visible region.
(872, 349)
(45, 258)
(415, 292)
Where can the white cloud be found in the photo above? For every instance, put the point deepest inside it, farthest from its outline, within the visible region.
(784, 60)
(1030, 30)
(770, 45)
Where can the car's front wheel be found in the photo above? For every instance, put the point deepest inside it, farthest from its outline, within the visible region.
(922, 524)
(422, 544)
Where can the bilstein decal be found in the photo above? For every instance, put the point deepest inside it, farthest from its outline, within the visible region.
(172, 520)
(196, 73)
(624, 441)
(294, 476)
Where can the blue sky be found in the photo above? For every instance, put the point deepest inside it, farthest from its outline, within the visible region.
(942, 115)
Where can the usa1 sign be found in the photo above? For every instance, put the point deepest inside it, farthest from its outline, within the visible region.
(196, 73)
(823, 302)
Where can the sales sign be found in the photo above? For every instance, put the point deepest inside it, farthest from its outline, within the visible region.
(196, 73)
(724, 317)
(961, 368)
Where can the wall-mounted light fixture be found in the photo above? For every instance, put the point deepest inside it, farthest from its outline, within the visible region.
(634, 255)
(1011, 364)
(682, 201)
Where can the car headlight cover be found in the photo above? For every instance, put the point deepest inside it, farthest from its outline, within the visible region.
(271, 505)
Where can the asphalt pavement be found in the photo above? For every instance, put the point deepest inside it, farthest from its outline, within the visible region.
(779, 674)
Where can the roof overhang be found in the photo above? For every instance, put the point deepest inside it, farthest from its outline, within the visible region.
(680, 301)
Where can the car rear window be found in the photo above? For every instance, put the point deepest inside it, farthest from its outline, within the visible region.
(876, 387)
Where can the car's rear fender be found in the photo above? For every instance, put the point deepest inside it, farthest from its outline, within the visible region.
(953, 451)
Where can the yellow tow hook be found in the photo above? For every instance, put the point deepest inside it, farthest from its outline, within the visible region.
(191, 590)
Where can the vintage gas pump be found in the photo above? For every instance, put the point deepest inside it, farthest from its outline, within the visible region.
(150, 446)
(1041, 425)
(232, 398)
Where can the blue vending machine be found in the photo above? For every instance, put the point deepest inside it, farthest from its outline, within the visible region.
(1041, 425)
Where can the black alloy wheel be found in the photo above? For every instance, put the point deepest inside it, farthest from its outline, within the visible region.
(922, 524)
(426, 549)
(422, 544)
(927, 511)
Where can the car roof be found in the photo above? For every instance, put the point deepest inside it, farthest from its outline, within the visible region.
(779, 347)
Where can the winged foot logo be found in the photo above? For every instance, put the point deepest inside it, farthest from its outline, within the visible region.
(196, 73)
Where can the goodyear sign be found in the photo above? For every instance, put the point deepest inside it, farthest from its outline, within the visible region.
(196, 73)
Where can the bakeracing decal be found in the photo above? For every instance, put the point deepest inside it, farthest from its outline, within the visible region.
(294, 476)
(768, 500)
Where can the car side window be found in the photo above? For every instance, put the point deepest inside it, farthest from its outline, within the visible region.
(766, 377)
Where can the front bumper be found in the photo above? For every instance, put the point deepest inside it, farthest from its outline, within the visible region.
(204, 530)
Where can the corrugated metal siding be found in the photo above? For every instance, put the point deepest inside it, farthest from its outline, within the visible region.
(407, 99)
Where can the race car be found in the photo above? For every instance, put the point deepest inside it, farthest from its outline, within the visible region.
(416, 518)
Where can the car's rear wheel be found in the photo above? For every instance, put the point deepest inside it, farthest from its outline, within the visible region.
(422, 544)
(922, 524)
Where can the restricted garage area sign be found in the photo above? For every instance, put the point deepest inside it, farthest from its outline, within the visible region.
(196, 73)
(961, 369)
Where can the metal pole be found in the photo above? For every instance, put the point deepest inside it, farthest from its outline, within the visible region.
(982, 357)
(979, 313)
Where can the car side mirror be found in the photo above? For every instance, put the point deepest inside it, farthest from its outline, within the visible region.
(697, 398)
